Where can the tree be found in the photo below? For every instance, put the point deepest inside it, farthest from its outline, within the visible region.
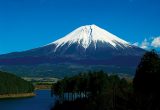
(147, 76)
(147, 81)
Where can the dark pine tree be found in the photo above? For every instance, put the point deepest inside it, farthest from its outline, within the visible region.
(146, 83)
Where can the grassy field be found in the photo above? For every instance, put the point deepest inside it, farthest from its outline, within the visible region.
(42, 83)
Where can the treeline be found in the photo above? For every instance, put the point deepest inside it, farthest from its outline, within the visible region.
(11, 84)
(109, 92)
(97, 88)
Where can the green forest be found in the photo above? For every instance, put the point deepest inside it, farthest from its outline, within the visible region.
(101, 91)
(11, 84)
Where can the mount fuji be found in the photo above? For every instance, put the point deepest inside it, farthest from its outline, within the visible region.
(86, 48)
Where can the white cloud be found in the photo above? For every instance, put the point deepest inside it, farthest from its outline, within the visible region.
(136, 44)
(145, 44)
(156, 42)
(149, 43)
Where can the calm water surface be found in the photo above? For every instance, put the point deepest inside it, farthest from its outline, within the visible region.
(43, 101)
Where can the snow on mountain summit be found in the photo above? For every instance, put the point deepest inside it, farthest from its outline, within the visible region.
(85, 35)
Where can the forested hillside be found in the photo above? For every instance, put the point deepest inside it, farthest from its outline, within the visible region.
(11, 84)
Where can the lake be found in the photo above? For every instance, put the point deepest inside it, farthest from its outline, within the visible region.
(42, 101)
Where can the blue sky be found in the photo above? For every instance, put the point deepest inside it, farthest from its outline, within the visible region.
(26, 24)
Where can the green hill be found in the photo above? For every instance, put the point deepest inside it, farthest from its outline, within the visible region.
(11, 84)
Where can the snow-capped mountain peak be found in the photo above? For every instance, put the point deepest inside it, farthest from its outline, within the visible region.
(85, 35)
(87, 47)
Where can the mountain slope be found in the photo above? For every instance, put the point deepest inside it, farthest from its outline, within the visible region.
(87, 45)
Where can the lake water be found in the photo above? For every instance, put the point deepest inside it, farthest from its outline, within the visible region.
(42, 101)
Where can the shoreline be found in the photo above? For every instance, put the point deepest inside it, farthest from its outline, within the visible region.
(14, 96)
